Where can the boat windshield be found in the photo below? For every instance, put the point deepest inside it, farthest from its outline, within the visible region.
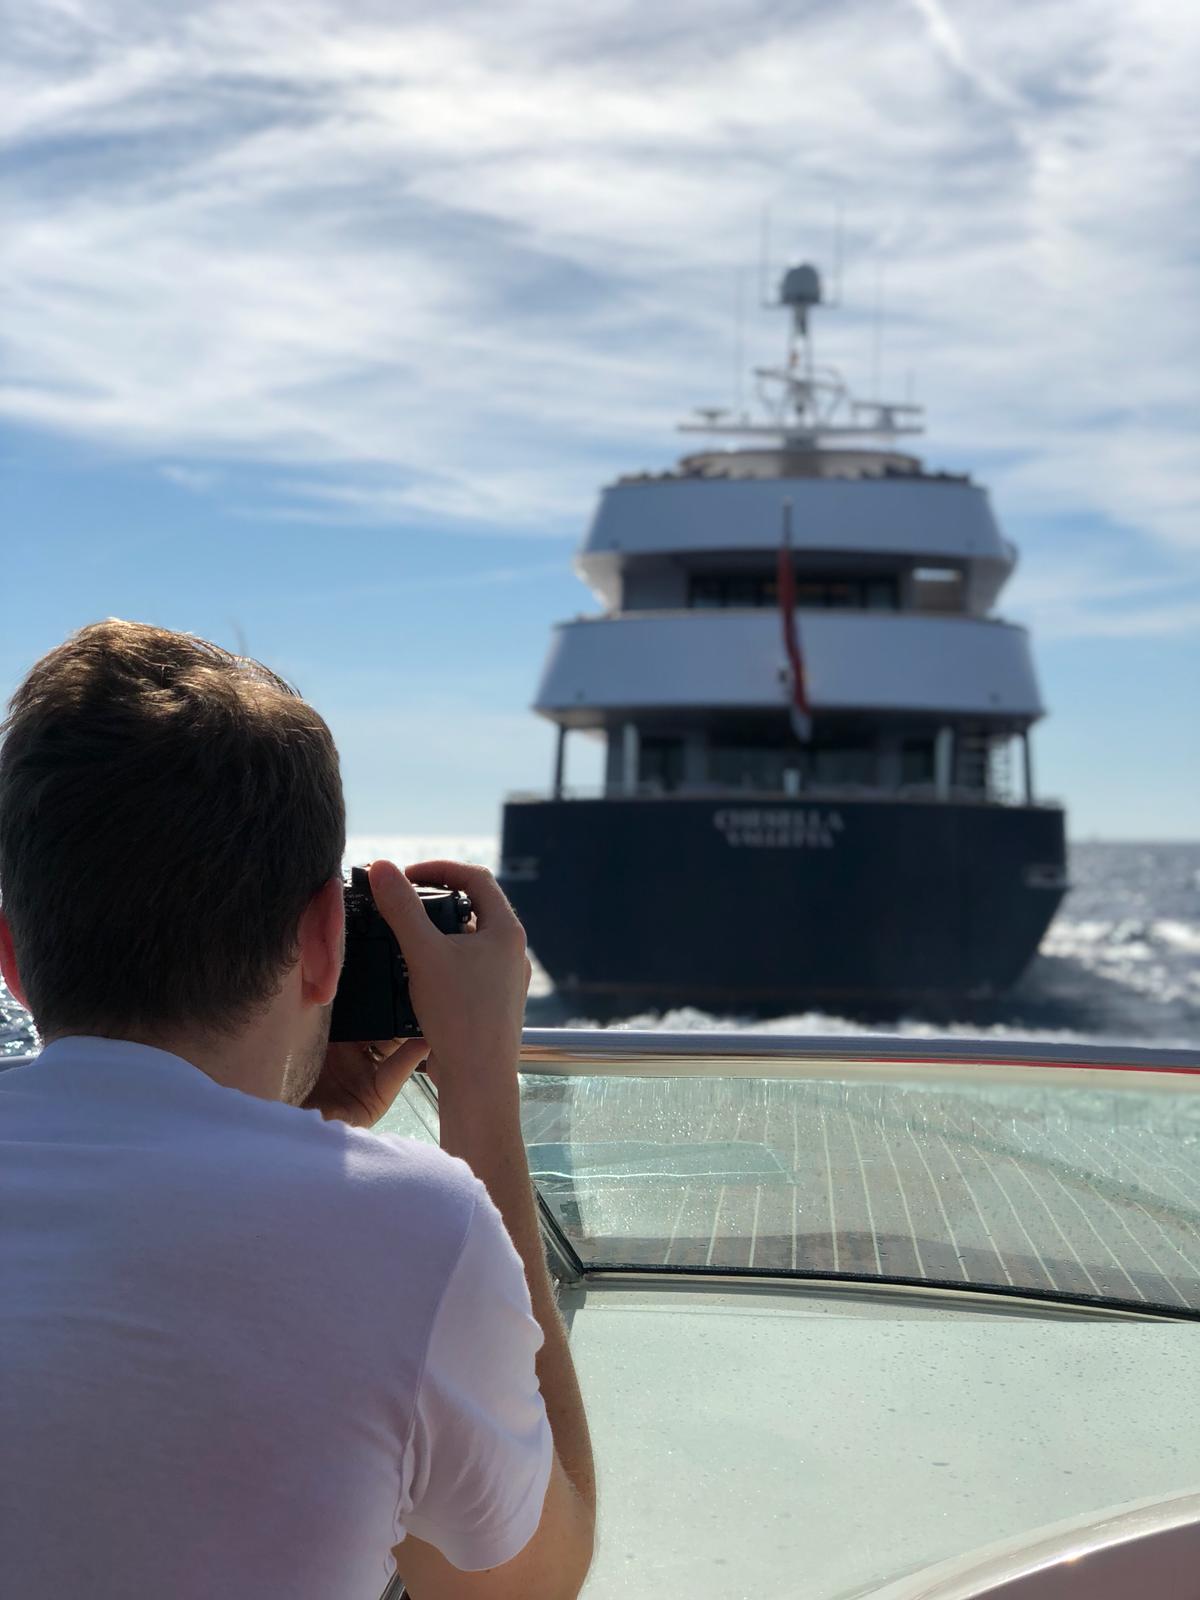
(1068, 1174)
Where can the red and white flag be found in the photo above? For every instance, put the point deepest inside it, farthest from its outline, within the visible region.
(798, 706)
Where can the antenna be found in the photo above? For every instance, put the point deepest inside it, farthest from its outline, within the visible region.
(764, 259)
(835, 299)
(877, 321)
(739, 341)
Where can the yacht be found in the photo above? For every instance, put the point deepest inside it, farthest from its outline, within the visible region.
(818, 775)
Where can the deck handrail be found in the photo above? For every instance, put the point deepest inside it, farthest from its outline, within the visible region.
(826, 794)
(651, 613)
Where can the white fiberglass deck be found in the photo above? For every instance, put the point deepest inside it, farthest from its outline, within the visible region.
(818, 1447)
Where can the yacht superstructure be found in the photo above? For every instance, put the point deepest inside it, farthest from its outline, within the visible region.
(818, 775)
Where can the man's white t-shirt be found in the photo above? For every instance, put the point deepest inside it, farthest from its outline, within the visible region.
(244, 1351)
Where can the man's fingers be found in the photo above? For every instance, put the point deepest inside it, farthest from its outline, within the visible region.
(380, 1049)
(401, 1062)
(400, 905)
(487, 897)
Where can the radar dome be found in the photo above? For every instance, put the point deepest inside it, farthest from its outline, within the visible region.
(801, 286)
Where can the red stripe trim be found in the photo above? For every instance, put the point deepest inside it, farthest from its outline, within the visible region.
(1013, 1061)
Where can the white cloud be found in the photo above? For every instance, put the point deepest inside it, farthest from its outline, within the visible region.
(198, 479)
(949, 43)
(455, 263)
(1072, 601)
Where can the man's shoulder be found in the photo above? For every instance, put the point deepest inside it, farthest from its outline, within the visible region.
(373, 1218)
(350, 1189)
(377, 1165)
(390, 1161)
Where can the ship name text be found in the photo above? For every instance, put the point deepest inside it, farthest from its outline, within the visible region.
(769, 828)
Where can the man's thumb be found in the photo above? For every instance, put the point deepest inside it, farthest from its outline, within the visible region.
(399, 903)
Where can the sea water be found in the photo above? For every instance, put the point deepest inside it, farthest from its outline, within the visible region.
(1120, 962)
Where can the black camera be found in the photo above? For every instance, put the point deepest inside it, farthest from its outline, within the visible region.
(372, 1000)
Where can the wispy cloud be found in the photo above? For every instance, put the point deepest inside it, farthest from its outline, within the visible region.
(1092, 597)
(198, 479)
(340, 592)
(949, 43)
(452, 263)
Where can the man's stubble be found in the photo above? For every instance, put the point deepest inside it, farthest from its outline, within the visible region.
(303, 1066)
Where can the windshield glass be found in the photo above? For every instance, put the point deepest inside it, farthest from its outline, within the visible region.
(1060, 1182)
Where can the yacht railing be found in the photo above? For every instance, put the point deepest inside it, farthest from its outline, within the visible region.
(924, 613)
(921, 793)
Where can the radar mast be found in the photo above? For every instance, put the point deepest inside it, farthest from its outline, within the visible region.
(806, 404)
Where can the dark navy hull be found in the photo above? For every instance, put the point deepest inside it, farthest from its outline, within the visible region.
(782, 902)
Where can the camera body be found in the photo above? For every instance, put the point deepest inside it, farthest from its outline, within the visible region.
(372, 1000)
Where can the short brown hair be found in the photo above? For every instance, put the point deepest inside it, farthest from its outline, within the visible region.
(167, 810)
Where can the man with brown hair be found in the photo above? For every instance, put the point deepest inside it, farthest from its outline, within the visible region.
(247, 1347)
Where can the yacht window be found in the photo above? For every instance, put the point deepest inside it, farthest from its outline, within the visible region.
(916, 761)
(748, 766)
(712, 590)
(744, 592)
(833, 593)
(707, 593)
(845, 764)
(937, 589)
(708, 590)
(660, 763)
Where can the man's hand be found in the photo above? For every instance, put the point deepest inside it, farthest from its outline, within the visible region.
(359, 1082)
(468, 990)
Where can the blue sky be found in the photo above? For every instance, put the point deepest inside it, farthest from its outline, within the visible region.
(322, 324)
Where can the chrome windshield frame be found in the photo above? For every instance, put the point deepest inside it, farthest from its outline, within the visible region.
(776, 1278)
(584, 1052)
(942, 1293)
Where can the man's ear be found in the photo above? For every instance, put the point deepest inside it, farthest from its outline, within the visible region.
(8, 962)
(322, 943)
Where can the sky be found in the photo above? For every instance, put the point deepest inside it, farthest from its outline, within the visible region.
(321, 325)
